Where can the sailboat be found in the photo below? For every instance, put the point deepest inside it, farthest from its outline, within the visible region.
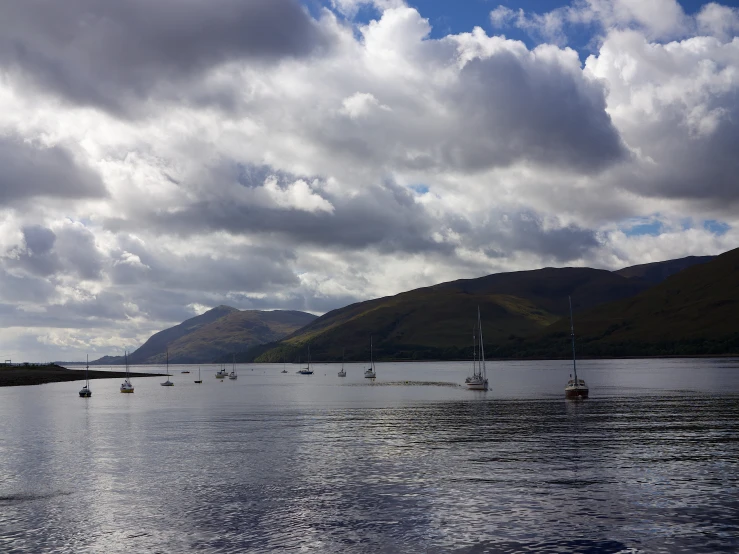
(221, 373)
(370, 372)
(233, 375)
(576, 388)
(85, 391)
(127, 386)
(167, 383)
(306, 370)
(284, 369)
(342, 373)
(479, 379)
(199, 379)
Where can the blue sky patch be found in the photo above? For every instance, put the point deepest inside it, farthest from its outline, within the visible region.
(652, 228)
(420, 189)
(716, 227)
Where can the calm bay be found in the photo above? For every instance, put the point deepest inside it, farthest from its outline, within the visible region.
(411, 462)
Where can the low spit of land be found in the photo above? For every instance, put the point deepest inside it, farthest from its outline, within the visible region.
(13, 376)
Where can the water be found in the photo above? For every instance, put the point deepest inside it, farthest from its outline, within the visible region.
(291, 463)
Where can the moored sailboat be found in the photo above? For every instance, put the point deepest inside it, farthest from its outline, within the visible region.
(342, 373)
(127, 386)
(85, 391)
(576, 388)
(221, 373)
(370, 372)
(233, 375)
(479, 378)
(200, 380)
(167, 383)
(306, 370)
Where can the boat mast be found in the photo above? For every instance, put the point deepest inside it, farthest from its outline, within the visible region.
(125, 352)
(372, 363)
(87, 370)
(167, 362)
(482, 346)
(474, 352)
(572, 334)
(343, 355)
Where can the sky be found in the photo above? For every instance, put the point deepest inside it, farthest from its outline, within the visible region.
(162, 158)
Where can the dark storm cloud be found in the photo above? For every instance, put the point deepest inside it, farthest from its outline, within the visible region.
(71, 250)
(536, 111)
(505, 234)
(28, 171)
(384, 217)
(110, 54)
(684, 164)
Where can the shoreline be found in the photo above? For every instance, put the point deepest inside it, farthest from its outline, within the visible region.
(19, 376)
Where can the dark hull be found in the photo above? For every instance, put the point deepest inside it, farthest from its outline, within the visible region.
(578, 392)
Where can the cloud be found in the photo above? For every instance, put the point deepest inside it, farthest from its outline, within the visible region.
(320, 162)
(33, 170)
(116, 55)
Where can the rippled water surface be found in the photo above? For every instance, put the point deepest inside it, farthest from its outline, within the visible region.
(410, 463)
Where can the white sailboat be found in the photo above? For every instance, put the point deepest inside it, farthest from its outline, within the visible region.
(306, 370)
(127, 386)
(221, 373)
(342, 373)
(85, 391)
(576, 388)
(479, 379)
(167, 383)
(233, 375)
(370, 372)
(200, 380)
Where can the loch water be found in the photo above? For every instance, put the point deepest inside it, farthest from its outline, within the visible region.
(412, 462)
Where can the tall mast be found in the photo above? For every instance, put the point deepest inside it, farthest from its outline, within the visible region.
(372, 363)
(343, 355)
(572, 334)
(125, 352)
(482, 346)
(167, 361)
(87, 369)
(474, 351)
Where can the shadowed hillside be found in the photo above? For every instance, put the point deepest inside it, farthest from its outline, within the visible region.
(657, 272)
(691, 313)
(436, 322)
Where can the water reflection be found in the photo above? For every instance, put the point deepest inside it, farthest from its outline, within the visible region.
(270, 463)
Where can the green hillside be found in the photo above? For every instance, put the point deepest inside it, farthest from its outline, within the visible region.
(436, 322)
(692, 312)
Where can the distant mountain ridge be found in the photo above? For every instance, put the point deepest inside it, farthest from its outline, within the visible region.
(436, 322)
(217, 332)
(692, 312)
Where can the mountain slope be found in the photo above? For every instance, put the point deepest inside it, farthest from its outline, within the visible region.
(657, 272)
(219, 331)
(692, 312)
(437, 321)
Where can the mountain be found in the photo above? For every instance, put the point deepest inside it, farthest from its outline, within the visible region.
(657, 272)
(436, 322)
(221, 330)
(690, 313)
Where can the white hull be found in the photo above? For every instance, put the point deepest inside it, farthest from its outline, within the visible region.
(342, 373)
(221, 375)
(370, 375)
(477, 384)
(233, 377)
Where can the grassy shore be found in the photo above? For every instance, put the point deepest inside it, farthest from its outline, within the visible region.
(13, 376)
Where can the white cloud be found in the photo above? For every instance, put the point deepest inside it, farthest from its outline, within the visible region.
(291, 184)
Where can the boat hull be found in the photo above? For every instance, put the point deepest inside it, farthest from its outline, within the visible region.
(576, 391)
(477, 385)
(127, 390)
(370, 376)
(85, 394)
